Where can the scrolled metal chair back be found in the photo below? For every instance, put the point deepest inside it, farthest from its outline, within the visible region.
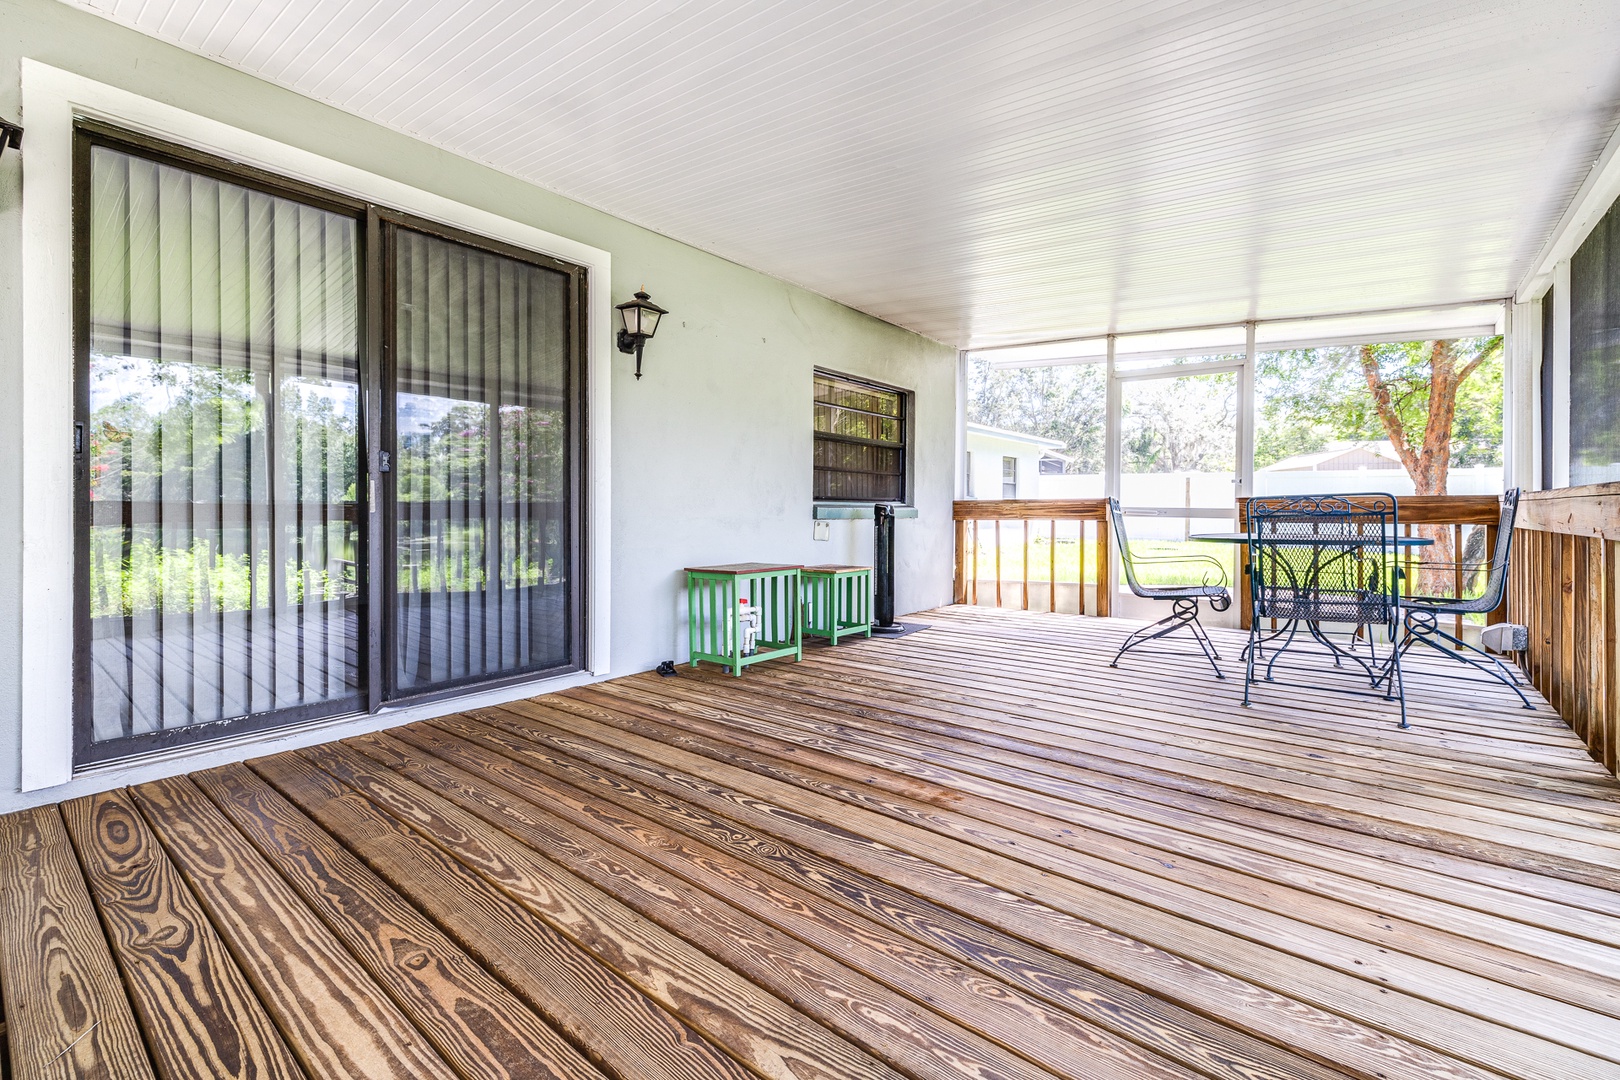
(1325, 558)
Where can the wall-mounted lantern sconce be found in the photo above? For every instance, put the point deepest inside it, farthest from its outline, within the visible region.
(10, 135)
(640, 317)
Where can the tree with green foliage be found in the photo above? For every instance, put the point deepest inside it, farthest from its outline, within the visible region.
(1439, 403)
(1180, 425)
(1066, 402)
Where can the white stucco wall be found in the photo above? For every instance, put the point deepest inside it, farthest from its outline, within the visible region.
(710, 454)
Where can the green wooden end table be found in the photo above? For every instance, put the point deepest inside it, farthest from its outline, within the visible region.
(837, 601)
(713, 594)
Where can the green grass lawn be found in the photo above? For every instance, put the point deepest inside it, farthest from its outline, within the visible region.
(1186, 565)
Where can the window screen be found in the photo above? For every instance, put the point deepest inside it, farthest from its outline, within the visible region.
(1547, 391)
(1594, 355)
(860, 440)
(1009, 478)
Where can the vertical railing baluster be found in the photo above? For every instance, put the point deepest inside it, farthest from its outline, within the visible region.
(1023, 529)
(1457, 573)
(1051, 569)
(1080, 576)
(975, 575)
(998, 562)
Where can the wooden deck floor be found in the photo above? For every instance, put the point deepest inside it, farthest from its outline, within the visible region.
(973, 852)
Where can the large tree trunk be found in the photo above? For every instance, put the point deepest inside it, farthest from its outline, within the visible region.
(1429, 462)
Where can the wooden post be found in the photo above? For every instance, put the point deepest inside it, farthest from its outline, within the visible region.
(1457, 574)
(1105, 570)
(959, 586)
(1500, 613)
(975, 577)
(1245, 598)
(1023, 528)
(1080, 544)
(998, 562)
(1051, 569)
(1611, 657)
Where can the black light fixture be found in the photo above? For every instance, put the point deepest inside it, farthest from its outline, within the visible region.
(10, 135)
(640, 317)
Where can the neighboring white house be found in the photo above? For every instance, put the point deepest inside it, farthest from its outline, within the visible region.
(1004, 464)
(1363, 466)
(1341, 457)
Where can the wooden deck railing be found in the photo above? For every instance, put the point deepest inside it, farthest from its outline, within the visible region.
(1435, 516)
(1563, 587)
(1037, 522)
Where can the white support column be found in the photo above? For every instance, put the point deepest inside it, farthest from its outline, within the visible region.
(1114, 403)
(1245, 417)
(1560, 376)
(961, 422)
(1521, 442)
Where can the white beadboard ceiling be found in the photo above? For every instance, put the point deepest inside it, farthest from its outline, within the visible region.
(992, 172)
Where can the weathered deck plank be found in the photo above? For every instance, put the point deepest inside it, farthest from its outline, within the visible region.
(770, 865)
(1041, 806)
(663, 966)
(200, 1015)
(877, 963)
(478, 1025)
(321, 998)
(976, 851)
(618, 1026)
(1301, 965)
(66, 1013)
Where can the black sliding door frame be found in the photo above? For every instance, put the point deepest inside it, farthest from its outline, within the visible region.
(374, 501)
(389, 223)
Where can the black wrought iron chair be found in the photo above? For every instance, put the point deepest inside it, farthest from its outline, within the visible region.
(1185, 598)
(1422, 613)
(1316, 560)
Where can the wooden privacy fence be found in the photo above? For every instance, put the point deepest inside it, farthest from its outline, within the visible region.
(1562, 586)
(1447, 517)
(1042, 533)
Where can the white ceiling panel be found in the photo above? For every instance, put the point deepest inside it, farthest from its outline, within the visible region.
(986, 172)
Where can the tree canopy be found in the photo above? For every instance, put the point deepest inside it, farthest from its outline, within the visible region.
(1309, 398)
(1065, 402)
(1412, 394)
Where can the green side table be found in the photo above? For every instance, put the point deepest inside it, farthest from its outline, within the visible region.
(837, 601)
(713, 595)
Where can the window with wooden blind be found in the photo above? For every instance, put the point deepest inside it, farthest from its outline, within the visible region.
(861, 436)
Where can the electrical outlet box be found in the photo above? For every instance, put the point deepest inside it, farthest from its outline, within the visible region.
(823, 530)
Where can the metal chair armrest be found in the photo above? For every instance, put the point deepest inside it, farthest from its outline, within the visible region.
(1137, 560)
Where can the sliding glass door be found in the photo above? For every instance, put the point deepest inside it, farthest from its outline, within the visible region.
(325, 457)
(481, 408)
(220, 439)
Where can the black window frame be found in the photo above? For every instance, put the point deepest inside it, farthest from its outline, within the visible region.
(904, 398)
(376, 435)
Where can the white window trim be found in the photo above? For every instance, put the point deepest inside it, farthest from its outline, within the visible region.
(52, 99)
(1521, 419)
(1560, 375)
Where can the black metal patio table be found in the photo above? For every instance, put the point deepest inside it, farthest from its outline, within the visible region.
(1290, 626)
(1243, 538)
